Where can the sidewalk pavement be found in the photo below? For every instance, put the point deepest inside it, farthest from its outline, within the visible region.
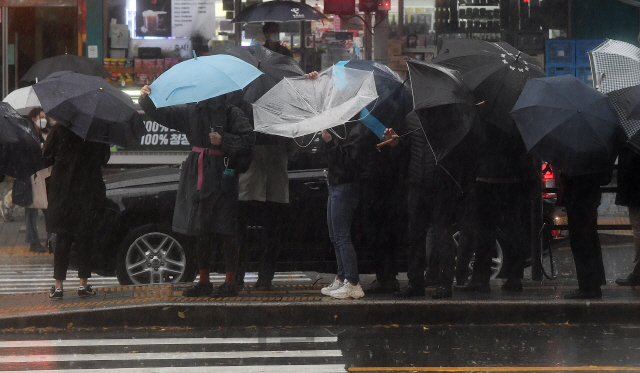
(301, 305)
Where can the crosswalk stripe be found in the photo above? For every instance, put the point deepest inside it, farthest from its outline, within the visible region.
(168, 356)
(329, 368)
(168, 341)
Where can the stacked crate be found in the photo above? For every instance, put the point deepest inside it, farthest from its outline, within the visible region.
(565, 56)
(560, 57)
(583, 66)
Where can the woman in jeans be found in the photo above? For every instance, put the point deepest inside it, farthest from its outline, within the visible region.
(342, 202)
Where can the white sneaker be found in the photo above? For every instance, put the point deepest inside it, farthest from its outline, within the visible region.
(347, 291)
(335, 285)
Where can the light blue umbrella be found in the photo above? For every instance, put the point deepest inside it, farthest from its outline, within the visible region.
(201, 78)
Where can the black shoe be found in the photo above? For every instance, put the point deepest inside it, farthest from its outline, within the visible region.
(225, 290)
(200, 289)
(631, 280)
(442, 292)
(262, 285)
(55, 293)
(474, 287)
(36, 247)
(584, 294)
(410, 291)
(86, 292)
(514, 285)
(383, 287)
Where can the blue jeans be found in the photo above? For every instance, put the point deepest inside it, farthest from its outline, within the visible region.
(342, 203)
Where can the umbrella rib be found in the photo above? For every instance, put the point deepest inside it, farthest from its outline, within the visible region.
(302, 97)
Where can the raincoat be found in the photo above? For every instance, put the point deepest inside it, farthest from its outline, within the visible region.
(75, 189)
(197, 121)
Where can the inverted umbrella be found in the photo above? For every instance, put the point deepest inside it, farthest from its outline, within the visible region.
(495, 72)
(273, 65)
(91, 108)
(65, 62)
(436, 86)
(201, 78)
(20, 152)
(23, 100)
(394, 98)
(567, 123)
(300, 106)
(616, 68)
(278, 11)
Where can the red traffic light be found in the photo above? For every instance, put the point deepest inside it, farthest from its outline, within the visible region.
(384, 5)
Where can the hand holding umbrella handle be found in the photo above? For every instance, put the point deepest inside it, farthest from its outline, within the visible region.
(385, 143)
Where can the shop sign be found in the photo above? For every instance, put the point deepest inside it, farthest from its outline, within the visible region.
(175, 18)
(170, 47)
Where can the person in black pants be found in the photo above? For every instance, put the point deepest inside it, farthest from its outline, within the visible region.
(581, 196)
(431, 199)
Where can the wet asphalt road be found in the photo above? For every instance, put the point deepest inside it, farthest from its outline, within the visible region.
(517, 348)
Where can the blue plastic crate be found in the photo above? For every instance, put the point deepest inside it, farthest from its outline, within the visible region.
(561, 52)
(583, 46)
(560, 70)
(584, 73)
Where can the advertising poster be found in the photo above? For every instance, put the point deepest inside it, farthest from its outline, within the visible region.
(153, 18)
(193, 18)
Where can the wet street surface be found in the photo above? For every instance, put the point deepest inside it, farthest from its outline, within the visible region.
(516, 348)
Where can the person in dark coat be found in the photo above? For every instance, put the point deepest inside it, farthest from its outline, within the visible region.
(76, 195)
(628, 194)
(271, 31)
(207, 200)
(431, 199)
(501, 192)
(581, 196)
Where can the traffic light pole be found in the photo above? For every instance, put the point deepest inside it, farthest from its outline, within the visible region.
(368, 38)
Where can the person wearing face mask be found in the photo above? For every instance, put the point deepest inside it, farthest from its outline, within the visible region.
(271, 31)
(26, 193)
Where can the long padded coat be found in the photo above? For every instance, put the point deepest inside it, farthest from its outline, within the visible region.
(197, 121)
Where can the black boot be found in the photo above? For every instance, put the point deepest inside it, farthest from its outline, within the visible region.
(225, 290)
(200, 289)
(410, 291)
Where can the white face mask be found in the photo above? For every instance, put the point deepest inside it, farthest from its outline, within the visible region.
(274, 37)
(41, 123)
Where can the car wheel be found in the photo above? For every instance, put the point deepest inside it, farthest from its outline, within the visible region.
(497, 259)
(154, 254)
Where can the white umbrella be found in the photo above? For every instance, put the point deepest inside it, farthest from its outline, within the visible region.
(298, 106)
(615, 66)
(23, 100)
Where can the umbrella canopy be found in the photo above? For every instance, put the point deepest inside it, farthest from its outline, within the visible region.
(23, 100)
(91, 108)
(436, 86)
(278, 11)
(394, 98)
(201, 78)
(495, 72)
(616, 68)
(20, 152)
(629, 101)
(273, 65)
(569, 124)
(65, 62)
(300, 106)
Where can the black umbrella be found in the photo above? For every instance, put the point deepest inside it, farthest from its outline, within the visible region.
(569, 124)
(91, 108)
(495, 72)
(278, 11)
(20, 152)
(630, 102)
(394, 98)
(65, 62)
(444, 104)
(274, 66)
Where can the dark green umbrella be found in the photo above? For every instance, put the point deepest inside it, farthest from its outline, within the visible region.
(65, 62)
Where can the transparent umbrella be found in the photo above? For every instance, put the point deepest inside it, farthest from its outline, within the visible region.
(300, 106)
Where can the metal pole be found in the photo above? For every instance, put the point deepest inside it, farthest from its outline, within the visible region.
(400, 17)
(537, 221)
(368, 42)
(303, 42)
(15, 61)
(238, 26)
(5, 50)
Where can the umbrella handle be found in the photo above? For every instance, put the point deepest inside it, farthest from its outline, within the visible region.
(385, 143)
(172, 92)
